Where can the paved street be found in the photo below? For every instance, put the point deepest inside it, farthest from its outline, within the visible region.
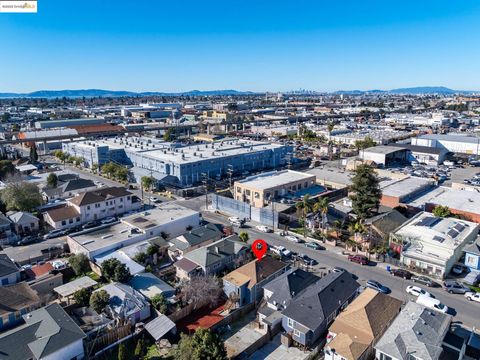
(464, 311)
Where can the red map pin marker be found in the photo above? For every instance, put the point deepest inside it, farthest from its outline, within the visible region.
(259, 248)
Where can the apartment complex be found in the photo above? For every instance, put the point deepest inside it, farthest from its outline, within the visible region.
(260, 189)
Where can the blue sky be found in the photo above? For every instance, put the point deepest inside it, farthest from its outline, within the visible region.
(155, 45)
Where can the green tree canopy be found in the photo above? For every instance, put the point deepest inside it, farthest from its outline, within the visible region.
(147, 182)
(114, 270)
(202, 345)
(122, 352)
(99, 300)
(52, 180)
(21, 196)
(160, 303)
(441, 211)
(79, 263)
(243, 236)
(366, 192)
(82, 297)
(6, 168)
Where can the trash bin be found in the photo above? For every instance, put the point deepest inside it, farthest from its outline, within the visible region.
(388, 268)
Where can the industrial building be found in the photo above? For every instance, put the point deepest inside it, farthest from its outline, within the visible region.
(185, 164)
(456, 143)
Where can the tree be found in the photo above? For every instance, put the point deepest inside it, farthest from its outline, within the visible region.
(99, 300)
(122, 352)
(79, 263)
(21, 196)
(82, 297)
(366, 192)
(140, 349)
(168, 136)
(114, 270)
(366, 143)
(441, 211)
(122, 273)
(6, 168)
(147, 182)
(305, 206)
(5, 117)
(60, 155)
(321, 208)
(152, 250)
(243, 236)
(160, 303)
(201, 290)
(202, 345)
(357, 229)
(140, 258)
(33, 153)
(52, 180)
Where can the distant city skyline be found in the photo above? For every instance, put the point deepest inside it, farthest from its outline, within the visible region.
(250, 46)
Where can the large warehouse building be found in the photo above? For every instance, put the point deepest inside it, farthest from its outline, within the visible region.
(184, 164)
(454, 143)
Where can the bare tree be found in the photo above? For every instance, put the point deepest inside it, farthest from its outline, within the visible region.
(201, 290)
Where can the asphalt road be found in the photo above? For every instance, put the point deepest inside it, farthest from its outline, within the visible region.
(464, 311)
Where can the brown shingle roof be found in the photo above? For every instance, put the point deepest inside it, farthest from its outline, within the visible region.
(16, 297)
(256, 271)
(95, 196)
(63, 213)
(362, 322)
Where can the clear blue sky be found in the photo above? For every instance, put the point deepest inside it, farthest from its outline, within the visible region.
(147, 45)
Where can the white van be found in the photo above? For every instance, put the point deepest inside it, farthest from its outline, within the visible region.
(432, 303)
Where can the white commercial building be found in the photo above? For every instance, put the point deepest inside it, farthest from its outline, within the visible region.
(431, 244)
(456, 143)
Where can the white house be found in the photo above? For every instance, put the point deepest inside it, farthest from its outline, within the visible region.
(431, 244)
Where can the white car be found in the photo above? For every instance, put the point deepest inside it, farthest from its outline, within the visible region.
(281, 251)
(417, 291)
(109, 220)
(234, 219)
(263, 228)
(471, 296)
(292, 238)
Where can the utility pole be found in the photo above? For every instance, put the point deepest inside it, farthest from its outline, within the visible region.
(230, 174)
(205, 184)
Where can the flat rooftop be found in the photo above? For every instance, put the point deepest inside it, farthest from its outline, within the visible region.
(452, 137)
(404, 187)
(106, 236)
(274, 179)
(383, 149)
(330, 174)
(463, 200)
(160, 215)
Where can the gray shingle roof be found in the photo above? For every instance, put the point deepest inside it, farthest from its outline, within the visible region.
(314, 304)
(215, 252)
(45, 331)
(417, 331)
(7, 266)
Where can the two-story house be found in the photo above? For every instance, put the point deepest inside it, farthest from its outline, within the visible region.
(7, 236)
(9, 271)
(213, 258)
(16, 300)
(309, 314)
(92, 206)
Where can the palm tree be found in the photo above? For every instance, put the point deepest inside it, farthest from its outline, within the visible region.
(330, 127)
(321, 207)
(305, 206)
(358, 229)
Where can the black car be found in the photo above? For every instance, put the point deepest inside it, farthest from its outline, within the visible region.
(307, 260)
(90, 224)
(407, 275)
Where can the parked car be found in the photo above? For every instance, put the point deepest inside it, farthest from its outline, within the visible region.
(417, 291)
(307, 260)
(359, 259)
(375, 285)
(458, 269)
(472, 296)
(338, 269)
(423, 280)
(453, 287)
(281, 251)
(431, 303)
(313, 245)
(27, 240)
(263, 228)
(54, 233)
(90, 224)
(109, 220)
(155, 200)
(293, 238)
(401, 273)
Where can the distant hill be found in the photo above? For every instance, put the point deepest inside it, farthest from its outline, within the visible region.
(114, 93)
(425, 90)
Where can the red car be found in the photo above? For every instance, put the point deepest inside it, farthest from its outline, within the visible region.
(359, 259)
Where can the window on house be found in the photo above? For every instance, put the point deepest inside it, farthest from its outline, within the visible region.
(78, 219)
(296, 333)
(70, 221)
(121, 199)
(128, 197)
(64, 222)
(290, 323)
(88, 207)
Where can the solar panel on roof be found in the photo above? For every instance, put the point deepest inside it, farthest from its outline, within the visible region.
(459, 227)
(428, 221)
(439, 239)
(452, 233)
